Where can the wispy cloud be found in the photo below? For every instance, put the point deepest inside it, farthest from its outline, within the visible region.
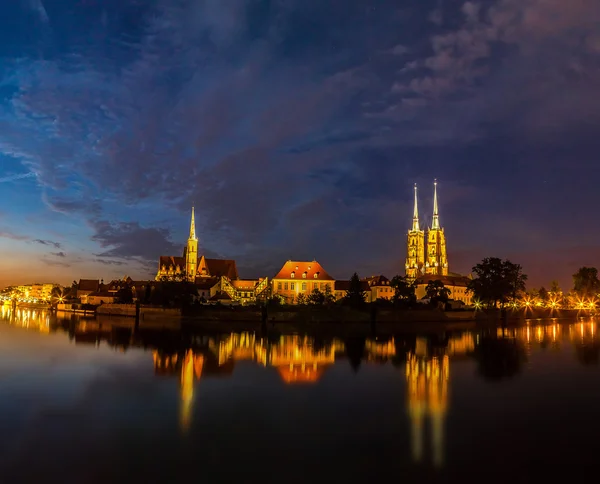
(56, 245)
(5, 234)
(58, 254)
(15, 177)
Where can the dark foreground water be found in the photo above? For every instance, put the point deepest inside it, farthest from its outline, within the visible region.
(83, 403)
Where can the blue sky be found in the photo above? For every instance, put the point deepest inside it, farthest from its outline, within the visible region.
(297, 128)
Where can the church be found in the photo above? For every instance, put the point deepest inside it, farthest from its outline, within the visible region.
(217, 280)
(426, 258)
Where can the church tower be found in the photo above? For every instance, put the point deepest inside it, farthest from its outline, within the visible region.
(191, 253)
(437, 261)
(415, 245)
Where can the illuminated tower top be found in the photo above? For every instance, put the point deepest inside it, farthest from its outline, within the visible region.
(193, 227)
(435, 223)
(415, 224)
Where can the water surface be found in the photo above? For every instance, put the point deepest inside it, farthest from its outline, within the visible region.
(84, 403)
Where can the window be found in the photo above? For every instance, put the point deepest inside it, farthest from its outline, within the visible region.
(304, 275)
(293, 275)
(304, 286)
(292, 286)
(316, 285)
(316, 275)
(322, 286)
(279, 286)
(285, 286)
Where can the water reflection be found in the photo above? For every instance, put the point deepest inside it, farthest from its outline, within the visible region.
(421, 361)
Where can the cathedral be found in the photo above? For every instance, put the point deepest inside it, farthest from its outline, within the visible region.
(426, 258)
(431, 258)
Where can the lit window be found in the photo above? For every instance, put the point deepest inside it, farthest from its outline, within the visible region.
(304, 286)
(304, 275)
(285, 286)
(293, 275)
(279, 286)
(316, 275)
(292, 286)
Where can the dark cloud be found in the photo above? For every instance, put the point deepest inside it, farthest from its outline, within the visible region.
(297, 128)
(51, 243)
(58, 254)
(110, 262)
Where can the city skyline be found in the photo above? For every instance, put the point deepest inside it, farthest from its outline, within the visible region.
(297, 131)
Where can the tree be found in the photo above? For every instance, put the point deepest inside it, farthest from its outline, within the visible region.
(301, 299)
(543, 294)
(404, 289)
(355, 296)
(316, 297)
(329, 297)
(555, 288)
(585, 282)
(497, 281)
(60, 294)
(124, 295)
(437, 292)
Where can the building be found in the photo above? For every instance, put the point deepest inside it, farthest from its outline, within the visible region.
(430, 259)
(217, 280)
(342, 287)
(455, 283)
(436, 261)
(415, 244)
(300, 278)
(379, 288)
(85, 287)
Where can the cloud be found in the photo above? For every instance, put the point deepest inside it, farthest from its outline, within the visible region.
(56, 245)
(110, 262)
(15, 177)
(55, 263)
(58, 254)
(5, 234)
(38, 7)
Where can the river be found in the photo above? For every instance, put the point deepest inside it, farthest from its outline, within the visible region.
(87, 403)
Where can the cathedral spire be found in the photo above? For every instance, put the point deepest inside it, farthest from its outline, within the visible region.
(193, 227)
(415, 224)
(435, 223)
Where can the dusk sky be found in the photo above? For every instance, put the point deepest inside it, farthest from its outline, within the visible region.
(297, 128)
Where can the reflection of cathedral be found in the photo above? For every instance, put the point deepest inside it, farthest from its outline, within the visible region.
(427, 391)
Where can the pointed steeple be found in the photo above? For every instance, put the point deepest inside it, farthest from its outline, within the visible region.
(193, 227)
(435, 223)
(415, 224)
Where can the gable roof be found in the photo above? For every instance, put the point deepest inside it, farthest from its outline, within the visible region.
(88, 285)
(298, 268)
(222, 267)
(377, 280)
(248, 284)
(168, 261)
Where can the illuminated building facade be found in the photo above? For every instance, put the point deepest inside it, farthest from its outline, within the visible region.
(300, 278)
(415, 245)
(437, 261)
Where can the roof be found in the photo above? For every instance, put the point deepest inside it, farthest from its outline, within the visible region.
(377, 281)
(88, 285)
(221, 296)
(245, 283)
(345, 285)
(102, 294)
(298, 268)
(217, 268)
(168, 261)
(446, 280)
(206, 283)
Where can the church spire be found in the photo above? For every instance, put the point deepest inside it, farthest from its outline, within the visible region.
(193, 227)
(415, 224)
(435, 223)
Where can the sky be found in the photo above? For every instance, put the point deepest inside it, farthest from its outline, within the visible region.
(297, 128)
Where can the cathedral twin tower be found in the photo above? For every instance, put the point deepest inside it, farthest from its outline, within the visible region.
(433, 260)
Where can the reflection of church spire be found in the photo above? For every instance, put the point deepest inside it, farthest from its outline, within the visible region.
(435, 223)
(415, 224)
(190, 369)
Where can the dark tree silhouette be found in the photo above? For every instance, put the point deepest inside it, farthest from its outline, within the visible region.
(497, 281)
(355, 296)
(585, 282)
(404, 290)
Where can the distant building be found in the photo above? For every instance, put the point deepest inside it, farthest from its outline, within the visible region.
(342, 287)
(85, 287)
(300, 278)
